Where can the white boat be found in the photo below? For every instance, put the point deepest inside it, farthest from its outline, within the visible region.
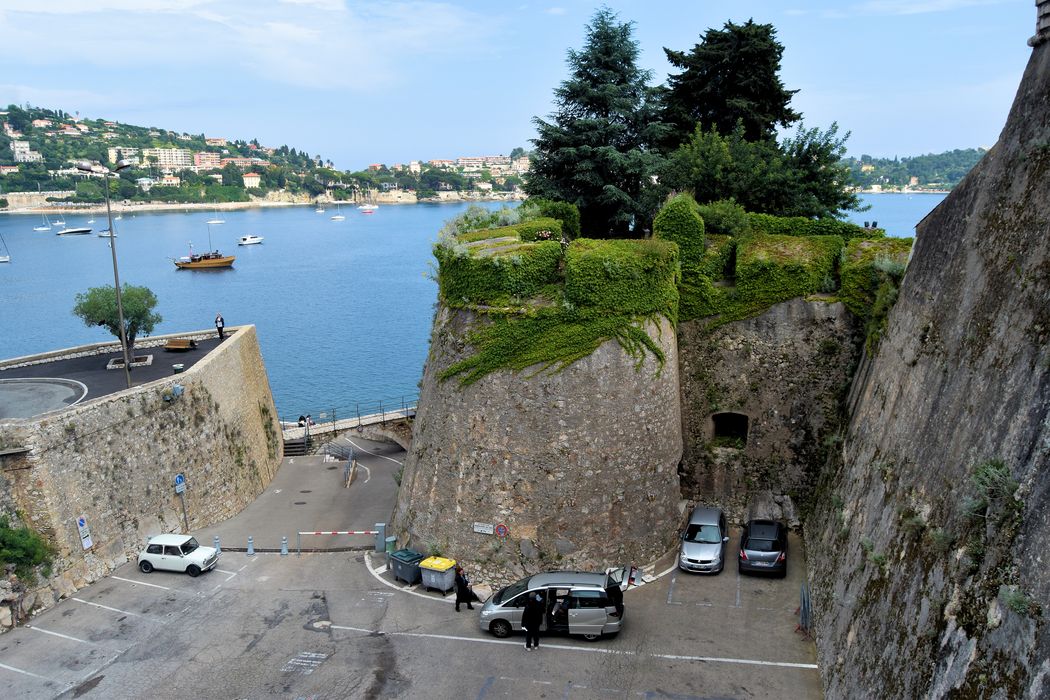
(368, 208)
(91, 221)
(45, 224)
(6, 257)
(338, 214)
(79, 231)
(319, 209)
(216, 219)
(250, 240)
(59, 222)
(106, 233)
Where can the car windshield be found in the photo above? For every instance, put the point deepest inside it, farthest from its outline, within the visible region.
(704, 534)
(511, 591)
(189, 545)
(757, 545)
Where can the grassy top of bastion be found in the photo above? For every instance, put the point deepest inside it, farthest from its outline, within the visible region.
(548, 297)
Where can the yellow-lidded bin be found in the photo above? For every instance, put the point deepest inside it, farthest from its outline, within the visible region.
(438, 574)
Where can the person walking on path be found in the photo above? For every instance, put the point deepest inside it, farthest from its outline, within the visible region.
(463, 592)
(219, 325)
(531, 619)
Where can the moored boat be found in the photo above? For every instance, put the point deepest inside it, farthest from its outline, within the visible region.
(45, 224)
(204, 261)
(106, 233)
(74, 231)
(250, 240)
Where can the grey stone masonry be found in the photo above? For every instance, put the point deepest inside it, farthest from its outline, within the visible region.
(1042, 22)
(579, 465)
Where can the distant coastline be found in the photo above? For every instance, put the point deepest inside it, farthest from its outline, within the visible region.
(133, 206)
(885, 191)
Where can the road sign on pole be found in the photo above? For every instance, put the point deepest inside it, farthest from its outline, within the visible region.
(180, 488)
(85, 532)
(180, 482)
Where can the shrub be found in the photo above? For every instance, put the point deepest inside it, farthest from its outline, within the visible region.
(25, 549)
(801, 226)
(771, 269)
(679, 222)
(724, 218)
(568, 214)
(520, 271)
(623, 276)
(543, 229)
(866, 265)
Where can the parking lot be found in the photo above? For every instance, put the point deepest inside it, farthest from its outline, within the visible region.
(335, 625)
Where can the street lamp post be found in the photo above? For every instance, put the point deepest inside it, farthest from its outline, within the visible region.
(88, 167)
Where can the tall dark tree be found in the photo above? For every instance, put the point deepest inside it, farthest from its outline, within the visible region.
(595, 152)
(732, 75)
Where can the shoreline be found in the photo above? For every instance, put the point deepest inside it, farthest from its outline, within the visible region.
(134, 207)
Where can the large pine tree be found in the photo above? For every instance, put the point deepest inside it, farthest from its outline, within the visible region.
(731, 75)
(595, 150)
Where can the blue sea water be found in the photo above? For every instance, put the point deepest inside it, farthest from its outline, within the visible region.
(343, 309)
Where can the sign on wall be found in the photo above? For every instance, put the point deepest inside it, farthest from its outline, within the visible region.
(85, 532)
(180, 483)
(484, 528)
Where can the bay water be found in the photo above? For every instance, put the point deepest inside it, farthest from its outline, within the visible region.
(342, 308)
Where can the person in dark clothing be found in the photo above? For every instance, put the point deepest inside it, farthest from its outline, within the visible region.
(463, 592)
(531, 619)
(220, 324)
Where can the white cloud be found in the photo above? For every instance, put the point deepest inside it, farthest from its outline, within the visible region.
(80, 7)
(556, 11)
(329, 5)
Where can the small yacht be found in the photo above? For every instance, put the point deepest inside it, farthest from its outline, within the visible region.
(338, 214)
(45, 224)
(250, 240)
(216, 219)
(106, 233)
(74, 231)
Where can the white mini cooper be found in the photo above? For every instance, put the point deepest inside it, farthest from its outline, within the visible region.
(177, 553)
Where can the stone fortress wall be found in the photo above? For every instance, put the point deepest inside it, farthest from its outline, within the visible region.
(579, 465)
(113, 459)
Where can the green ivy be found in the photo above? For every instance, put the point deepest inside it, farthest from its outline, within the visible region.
(801, 226)
(679, 222)
(551, 338)
(568, 214)
(776, 268)
(25, 549)
(491, 275)
(544, 228)
(866, 264)
(633, 277)
(725, 218)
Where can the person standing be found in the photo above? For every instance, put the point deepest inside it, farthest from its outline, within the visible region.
(463, 593)
(531, 619)
(220, 324)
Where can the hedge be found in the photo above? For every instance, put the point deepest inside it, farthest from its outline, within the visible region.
(536, 228)
(623, 276)
(678, 222)
(479, 279)
(801, 226)
(725, 218)
(866, 265)
(772, 269)
(568, 214)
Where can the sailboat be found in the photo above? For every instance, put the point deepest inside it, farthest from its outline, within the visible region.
(6, 257)
(45, 224)
(60, 221)
(370, 206)
(338, 216)
(204, 261)
(216, 219)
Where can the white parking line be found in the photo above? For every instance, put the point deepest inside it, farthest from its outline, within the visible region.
(141, 583)
(59, 634)
(374, 454)
(402, 589)
(586, 650)
(368, 473)
(224, 571)
(106, 607)
(26, 673)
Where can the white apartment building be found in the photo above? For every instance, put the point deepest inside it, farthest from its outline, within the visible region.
(169, 159)
(123, 153)
(205, 160)
(23, 154)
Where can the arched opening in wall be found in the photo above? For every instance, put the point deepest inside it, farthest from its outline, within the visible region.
(729, 429)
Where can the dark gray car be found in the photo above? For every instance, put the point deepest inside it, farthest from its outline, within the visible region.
(763, 548)
(704, 541)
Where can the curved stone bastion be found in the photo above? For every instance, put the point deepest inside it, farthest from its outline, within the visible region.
(548, 429)
(580, 465)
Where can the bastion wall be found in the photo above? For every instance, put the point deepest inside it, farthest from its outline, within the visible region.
(112, 460)
(580, 464)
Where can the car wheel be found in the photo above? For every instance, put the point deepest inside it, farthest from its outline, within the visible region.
(145, 567)
(784, 571)
(500, 628)
(592, 637)
(193, 570)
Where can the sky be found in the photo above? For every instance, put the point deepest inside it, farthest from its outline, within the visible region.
(393, 81)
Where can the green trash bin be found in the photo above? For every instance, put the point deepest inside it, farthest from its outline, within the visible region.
(391, 543)
(405, 565)
(177, 369)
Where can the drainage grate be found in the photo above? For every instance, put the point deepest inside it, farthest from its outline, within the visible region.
(306, 491)
(299, 503)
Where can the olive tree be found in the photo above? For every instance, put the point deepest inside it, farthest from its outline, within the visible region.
(98, 307)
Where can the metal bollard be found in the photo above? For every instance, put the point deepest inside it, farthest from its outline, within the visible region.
(215, 543)
(251, 546)
(380, 537)
(284, 546)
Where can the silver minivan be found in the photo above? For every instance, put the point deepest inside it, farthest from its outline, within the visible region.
(587, 604)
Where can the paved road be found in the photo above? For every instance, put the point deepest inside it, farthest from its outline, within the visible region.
(307, 494)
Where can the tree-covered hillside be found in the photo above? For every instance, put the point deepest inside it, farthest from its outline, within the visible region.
(940, 171)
